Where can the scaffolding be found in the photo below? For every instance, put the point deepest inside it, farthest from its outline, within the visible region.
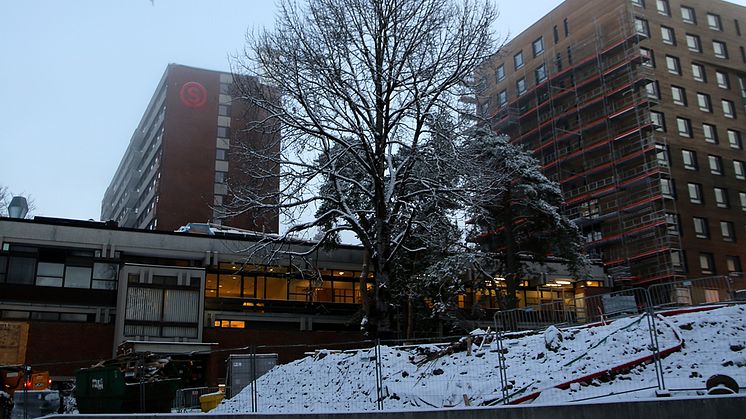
(589, 124)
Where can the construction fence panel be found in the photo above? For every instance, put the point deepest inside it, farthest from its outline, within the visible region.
(315, 383)
(690, 292)
(714, 340)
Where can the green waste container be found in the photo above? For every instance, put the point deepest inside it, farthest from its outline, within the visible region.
(104, 390)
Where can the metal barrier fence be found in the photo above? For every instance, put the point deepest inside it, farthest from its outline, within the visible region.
(698, 291)
(187, 399)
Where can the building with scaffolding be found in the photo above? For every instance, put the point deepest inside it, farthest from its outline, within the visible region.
(636, 108)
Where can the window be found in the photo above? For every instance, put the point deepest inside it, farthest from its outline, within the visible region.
(733, 263)
(224, 110)
(538, 46)
(689, 158)
(729, 111)
(220, 177)
(720, 49)
(662, 6)
(703, 101)
(648, 58)
(555, 33)
(500, 73)
(698, 73)
(713, 22)
(667, 34)
(695, 193)
(677, 260)
(558, 62)
(743, 54)
(668, 190)
(721, 197)
(540, 73)
(638, 3)
(672, 63)
(742, 200)
(641, 27)
(706, 263)
(658, 120)
(710, 133)
(678, 94)
(700, 228)
(727, 230)
(520, 86)
(684, 126)
(738, 27)
(734, 139)
(224, 132)
(502, 98)
(661, 154)
(518, 60)
(738, 170)
(566, 24)
(722, 79)
(687, 15)
(716, 164)
(692, 42)
(221, 154)
(651, 90)
(569, 55)
(672, 223)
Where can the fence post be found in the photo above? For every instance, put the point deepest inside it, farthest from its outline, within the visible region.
(379, 377)
(254, 392)
(650, 313)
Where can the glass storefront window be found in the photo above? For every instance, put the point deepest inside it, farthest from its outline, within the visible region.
(211, 285)
(229, 286)
(277, 288)
(299, 289)
(248, 286)
(344, 292)
(77, 277)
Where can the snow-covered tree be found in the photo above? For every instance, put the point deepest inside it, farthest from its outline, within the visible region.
(361, 80)
(517, 210)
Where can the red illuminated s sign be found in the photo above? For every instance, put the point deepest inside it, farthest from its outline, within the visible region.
(193, 94)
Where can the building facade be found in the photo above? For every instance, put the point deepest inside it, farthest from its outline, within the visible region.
(636, 107)
(183, 156)
(82, 288)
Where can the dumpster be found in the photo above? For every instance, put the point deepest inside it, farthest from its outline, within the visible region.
(210, 401)
(104, 390)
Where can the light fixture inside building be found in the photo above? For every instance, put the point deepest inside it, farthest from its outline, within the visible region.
(563, 282)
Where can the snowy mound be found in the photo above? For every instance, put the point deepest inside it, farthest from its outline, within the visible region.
(429, 376)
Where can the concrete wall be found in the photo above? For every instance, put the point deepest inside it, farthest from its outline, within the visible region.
(699, 407)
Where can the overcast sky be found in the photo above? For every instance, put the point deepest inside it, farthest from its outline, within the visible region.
(76, 77)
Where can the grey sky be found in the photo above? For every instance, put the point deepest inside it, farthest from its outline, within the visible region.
(77, 75)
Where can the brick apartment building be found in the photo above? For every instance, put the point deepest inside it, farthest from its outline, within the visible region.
(181, 159)
(636, 107)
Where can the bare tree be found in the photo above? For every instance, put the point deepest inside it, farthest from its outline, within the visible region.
(360, 81)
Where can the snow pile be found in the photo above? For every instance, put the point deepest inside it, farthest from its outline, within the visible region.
(437, 376)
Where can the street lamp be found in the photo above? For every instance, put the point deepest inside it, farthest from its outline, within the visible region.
(18, 207)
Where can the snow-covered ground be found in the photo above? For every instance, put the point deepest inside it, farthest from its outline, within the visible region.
(701, 344)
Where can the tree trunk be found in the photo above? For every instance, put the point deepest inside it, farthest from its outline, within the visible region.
(511, 258)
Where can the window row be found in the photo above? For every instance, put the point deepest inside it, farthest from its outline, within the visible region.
(53, 268)
(709, 131)
(696, 196)
(701, 227)
(689, 15)
(693, 42)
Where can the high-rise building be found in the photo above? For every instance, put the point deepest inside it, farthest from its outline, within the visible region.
(183, 156)
(636, 107)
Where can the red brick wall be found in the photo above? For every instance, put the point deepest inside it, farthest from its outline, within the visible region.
(63, 347)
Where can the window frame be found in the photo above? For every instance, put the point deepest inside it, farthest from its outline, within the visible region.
(643, 29)
(701, 229)
(706, 263)
(729, 108)
(695, 193)
(702, 76)
(678, 95)
(693, 43)
(720, 49)
(714, 22)
(537, 46)
(710, 133)
(722, 80)
(687, 125)
(500, 73)
(668, 35)
(673, 64)
(721, 197)
(734, 139)
(520, 87)
(663, 7)
(692, 18)
(518, 61)
(716, 164)
(689, 159)
(739, 169)
(727, 231)
(704, 103)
